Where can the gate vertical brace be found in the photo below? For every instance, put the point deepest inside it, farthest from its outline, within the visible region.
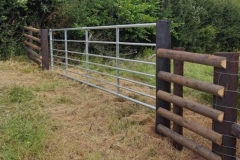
(66, 50)
(163, 40)
(117, 60)
(51, 49)
(228, 104)
(87, 56)
(44, 49)
(178, 91)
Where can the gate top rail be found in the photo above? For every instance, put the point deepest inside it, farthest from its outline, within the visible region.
(107, 27)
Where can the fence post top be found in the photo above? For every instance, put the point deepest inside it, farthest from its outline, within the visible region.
(168, 21)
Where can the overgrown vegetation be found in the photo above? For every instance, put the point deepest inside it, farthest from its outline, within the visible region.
(204, 26)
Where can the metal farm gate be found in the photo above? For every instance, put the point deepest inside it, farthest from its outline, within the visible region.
(132, 79)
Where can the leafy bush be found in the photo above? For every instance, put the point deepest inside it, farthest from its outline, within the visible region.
(204, 26)
(14, 14)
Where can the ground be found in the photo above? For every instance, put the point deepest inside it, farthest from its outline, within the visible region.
(85, 123)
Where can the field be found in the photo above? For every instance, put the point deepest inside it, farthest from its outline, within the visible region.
(46, 116)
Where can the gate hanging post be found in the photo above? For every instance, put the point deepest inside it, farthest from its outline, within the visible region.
(228, 104)
(44, 49)
(163, 40)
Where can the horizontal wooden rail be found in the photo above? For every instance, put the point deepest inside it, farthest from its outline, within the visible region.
(200, 150)
(195, 127)
(32, 29)
(235, 130)
(32, 37)
(30, 56)
(32, 52)
(216, 61)
(32, 45)
(193, 106)
(192, 83)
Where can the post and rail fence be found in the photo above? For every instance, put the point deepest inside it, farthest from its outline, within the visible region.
(224, 88)
(38, 54)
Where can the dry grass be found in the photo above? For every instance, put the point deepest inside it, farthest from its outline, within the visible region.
(86, 123)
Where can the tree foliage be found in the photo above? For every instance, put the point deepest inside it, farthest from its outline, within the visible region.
(14, 15)
(205, 26)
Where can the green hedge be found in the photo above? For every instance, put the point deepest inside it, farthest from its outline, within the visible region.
(204, 26)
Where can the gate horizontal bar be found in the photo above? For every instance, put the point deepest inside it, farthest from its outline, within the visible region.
(114, 93)
(108, 27)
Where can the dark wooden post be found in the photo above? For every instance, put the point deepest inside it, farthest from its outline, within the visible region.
(229, 79)
(44, 49)
(178, 91)
(163, 40)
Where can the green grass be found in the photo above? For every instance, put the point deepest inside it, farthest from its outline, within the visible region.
(20, 94)
(93, 156)
(23, 135)
(64, 100)
(46, 87)
(140, 67)
(22, 124)
(199, 72)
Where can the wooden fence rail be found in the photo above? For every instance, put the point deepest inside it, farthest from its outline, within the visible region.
(224, 89)
(37, 52)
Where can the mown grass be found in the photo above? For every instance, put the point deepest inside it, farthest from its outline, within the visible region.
(50, 117)
(24, 125)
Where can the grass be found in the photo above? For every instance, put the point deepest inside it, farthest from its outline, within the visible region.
(20, 94)
(64, 100)
(46, 116)
(23, 136)
(22, 124)
(199, 72)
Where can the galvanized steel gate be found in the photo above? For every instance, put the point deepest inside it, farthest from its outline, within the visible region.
(120, 76)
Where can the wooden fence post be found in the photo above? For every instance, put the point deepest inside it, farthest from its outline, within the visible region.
(228, 104)
(178, 91)
(30, 40)
(163, 40)
(44, 49)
